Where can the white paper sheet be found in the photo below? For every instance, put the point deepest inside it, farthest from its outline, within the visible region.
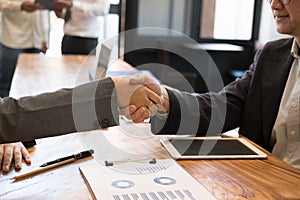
(143, 181)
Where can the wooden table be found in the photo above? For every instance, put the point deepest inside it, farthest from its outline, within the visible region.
(268, 179)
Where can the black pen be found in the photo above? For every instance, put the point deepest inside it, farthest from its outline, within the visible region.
(55, 163)
(77, 156)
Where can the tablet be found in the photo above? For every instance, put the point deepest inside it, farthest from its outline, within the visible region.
(47, 4)
(211, 148)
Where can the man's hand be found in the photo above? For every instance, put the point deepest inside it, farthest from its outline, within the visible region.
(13, 152)
(29, 6)
(135, 94)
(139, 114)
(44, 47)
(61, 4)
(148, 82)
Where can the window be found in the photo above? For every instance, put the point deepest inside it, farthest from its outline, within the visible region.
(227, 19)
(231, 21)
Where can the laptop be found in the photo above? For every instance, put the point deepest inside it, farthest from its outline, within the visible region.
(102, 64)
(101, 70)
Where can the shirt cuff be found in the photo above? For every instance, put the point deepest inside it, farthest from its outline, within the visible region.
(162, 115)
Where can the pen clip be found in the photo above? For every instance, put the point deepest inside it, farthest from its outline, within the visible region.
(77, 156)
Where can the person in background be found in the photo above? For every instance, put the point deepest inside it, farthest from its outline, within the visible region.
(82, 25)
(264, 103)
(24, 29)
(52, 114)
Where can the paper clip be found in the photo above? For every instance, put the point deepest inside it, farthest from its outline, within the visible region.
(107, 164)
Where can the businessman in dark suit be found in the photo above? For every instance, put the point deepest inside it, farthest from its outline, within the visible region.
(264, 103)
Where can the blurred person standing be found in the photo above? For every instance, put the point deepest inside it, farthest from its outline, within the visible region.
(82, 25)
(25, 29)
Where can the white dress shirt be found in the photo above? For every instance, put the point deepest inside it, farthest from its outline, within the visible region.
(286, 130)
(85, 18)
(21, 29)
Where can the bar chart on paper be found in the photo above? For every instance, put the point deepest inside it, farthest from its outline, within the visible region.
(162, 180)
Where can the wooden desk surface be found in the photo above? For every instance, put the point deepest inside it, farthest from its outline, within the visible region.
(225, 179)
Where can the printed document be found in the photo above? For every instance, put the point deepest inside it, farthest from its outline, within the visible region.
(164, 179)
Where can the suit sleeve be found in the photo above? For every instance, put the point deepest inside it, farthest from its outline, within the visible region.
(206, 114)
(86, 107)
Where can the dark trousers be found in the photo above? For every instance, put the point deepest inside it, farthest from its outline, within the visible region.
(8, 62)
(78, 45)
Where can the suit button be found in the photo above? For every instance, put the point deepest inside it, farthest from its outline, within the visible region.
(294, 104)
(104, 123)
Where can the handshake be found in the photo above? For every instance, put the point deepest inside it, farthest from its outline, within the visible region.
(140, 97)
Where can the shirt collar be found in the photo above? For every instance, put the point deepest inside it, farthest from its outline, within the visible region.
(295, 49)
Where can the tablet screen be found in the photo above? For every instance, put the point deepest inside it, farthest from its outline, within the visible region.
(210, 148)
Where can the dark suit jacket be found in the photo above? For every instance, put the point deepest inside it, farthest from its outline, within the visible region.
(252, 102)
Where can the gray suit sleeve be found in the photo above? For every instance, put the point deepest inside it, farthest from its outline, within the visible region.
(86, 107)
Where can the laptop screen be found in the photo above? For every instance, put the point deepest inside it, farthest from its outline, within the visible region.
(102, 64)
